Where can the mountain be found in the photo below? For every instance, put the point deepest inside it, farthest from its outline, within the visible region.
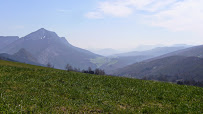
(122, 60)
(171, 68)
(6, 40)
(6, 57)
(112, 63)
(22, 53)
(179, 63)
(195, 51)
(22, 56)
(153, 52)
(47, 47)
(105, 52)
(147, 47)
(181, 45)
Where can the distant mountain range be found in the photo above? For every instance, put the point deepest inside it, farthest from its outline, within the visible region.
(196, 51)
(48, 47)
(183, 64)
(105, 52)
(153, 52)
(125, 59)
(147, 47)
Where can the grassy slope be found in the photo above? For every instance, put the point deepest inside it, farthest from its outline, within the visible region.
(31, 88)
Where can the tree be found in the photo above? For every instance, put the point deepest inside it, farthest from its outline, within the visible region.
(89, 69)
(99, 72)
(96, 71)
(145, 78)
(49, 65)
(180, 82)
(162, 78)
(76, 69)
(69, 67)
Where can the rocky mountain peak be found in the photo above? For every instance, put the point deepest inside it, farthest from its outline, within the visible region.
(42, 34)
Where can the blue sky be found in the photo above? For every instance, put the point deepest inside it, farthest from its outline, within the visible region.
(107, 23)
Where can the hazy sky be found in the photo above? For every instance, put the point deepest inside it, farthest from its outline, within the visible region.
(107, 23)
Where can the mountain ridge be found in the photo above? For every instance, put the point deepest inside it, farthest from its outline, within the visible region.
(6, 40)
(195, 51)
(21, 56)
(47, 47)
(187, 59)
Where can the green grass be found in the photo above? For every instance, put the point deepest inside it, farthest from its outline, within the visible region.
(26, 88)
(99, 61)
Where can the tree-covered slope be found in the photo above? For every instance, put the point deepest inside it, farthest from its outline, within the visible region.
(172, 68)
(26, 88)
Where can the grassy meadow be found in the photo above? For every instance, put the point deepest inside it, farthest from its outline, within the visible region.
(33, 89)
